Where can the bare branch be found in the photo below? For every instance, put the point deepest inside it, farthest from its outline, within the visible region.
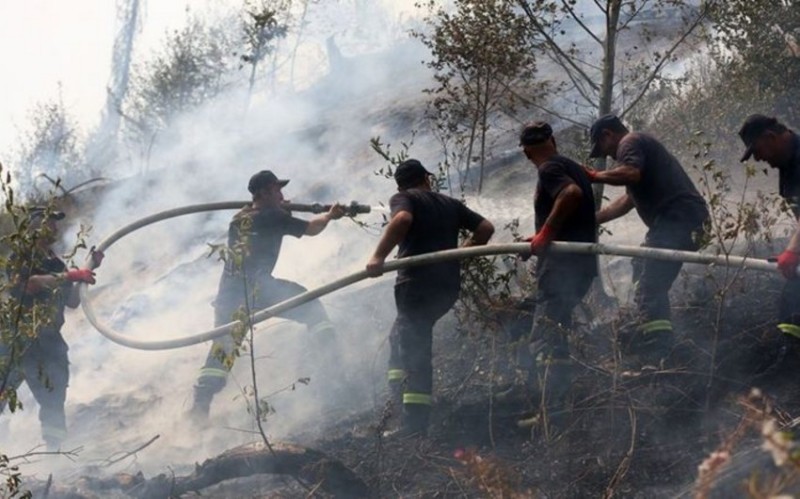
(667, 56)
(566, 62)
(110, 461)
(578, 20)
(633, 16)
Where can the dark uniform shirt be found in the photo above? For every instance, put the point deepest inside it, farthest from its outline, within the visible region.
(436, 221)
(665, 190)
(256, 234)
(53, 301)
(789, 178)
(556, 174)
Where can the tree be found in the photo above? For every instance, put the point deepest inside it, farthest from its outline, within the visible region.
(191, 69)
(261, 29)
(50, 151)
(479, 57)
(759, 54)
(653, 33)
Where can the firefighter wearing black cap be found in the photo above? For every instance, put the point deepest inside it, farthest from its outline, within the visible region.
(255, 235)
(669, 205)
(422, 221)
(564, 211)
(43, 286)
(771, 141)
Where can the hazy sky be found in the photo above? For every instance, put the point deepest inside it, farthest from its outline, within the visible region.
(44, 43)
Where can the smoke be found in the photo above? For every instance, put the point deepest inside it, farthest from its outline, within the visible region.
(159, 282)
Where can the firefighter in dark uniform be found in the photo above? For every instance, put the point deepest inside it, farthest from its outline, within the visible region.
(247, 284)
(564, 211)
(673, 211)
(37, 352)
(422, 221)
(769, 140)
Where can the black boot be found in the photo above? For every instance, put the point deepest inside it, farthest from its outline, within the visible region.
(415, 422)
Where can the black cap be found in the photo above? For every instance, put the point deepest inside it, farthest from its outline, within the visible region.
(753, 127)
(263, 179)
(38, 212)
(607, 122)
(410, 173)
(535, 133)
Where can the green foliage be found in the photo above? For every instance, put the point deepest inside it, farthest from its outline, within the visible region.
(758, 53)
(262, 28)
(189, 70)
(482, 62)
(50, 148)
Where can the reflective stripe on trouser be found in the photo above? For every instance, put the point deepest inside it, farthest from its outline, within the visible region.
(417, 398)
(660, 325)
(790, 329)
(419, 306)
(396, 375)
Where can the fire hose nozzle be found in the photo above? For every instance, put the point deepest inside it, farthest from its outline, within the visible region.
(351, 210)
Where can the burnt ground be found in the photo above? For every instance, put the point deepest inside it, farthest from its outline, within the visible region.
(629, 433)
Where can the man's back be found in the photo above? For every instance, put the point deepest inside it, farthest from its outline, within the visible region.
(664, 188)
(437, 220)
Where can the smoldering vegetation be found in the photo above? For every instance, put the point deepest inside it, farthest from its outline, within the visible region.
(304, 99)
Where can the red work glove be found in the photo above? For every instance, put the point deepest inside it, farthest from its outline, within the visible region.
(590, 172)
(80, 275)
(787, 263)
(542, 239)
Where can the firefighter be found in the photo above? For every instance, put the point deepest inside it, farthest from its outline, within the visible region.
(36, 352)
(673, 211)
(422, 221)
(254, 236)
(564, 211)
(769, 140)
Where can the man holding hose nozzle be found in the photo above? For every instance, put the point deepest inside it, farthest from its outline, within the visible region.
(564, 207)
(673, 211)
(422, 221)
(771, 141)
(247, 285)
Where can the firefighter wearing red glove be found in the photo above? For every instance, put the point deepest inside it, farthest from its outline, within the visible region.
(669, 204)
(767, 139)
(564, 211)
(44, 287)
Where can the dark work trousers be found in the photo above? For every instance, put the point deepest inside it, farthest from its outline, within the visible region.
(653, 278)
(562, 282)
(44, 366)
(789, 308)
(268, 292)
(419, 306)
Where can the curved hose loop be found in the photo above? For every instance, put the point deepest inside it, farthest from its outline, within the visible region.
(392, 266)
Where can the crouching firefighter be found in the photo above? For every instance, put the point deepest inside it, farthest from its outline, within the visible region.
(422, 221)
(564, 211)
(34, 350)
(247, 285)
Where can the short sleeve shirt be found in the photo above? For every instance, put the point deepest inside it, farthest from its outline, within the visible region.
(257, 235)
(665, 190)
(556, 174)
(53, 301)
(437, 220)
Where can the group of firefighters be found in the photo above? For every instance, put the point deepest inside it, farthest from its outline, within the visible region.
(424, 221)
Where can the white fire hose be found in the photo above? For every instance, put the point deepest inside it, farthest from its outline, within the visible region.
(391, 266)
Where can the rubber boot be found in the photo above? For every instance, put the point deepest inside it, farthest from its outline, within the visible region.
(415, 422)
(393, 413)
(556, 380)
(201, 406)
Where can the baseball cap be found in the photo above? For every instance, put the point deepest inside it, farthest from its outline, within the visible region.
(410, 173)
(753, 127)
(607, 122)
(263, 179)
(38, 212)
(535, 133)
